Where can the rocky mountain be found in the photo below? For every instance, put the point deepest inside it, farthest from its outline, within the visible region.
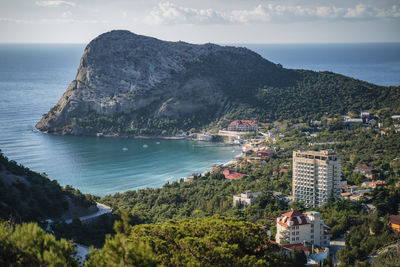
(129, 84)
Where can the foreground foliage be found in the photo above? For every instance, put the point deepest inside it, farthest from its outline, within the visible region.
(212, 241)
(29, 245)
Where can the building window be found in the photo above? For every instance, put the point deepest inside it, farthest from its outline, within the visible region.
(312, 230)
(293, 239)
(297, 238)
(312, 236)
(293, 233)
(297, 233)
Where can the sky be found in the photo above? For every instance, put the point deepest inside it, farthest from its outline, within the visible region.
(216, 21)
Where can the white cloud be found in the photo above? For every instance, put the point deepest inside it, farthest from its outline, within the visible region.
(55, 3)
(169, 13)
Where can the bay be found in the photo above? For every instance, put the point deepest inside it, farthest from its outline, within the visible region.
(34, 76)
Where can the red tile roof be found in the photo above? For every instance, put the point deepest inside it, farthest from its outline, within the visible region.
(377, 183)
(394, 219)
(232, 175)
(292, 213)
(297, 246)
(293, 218)
(283, 170)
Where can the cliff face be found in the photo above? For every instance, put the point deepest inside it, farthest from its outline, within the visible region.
(132, 84)
(121, 73)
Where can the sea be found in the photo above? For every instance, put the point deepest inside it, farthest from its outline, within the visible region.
(33, 77)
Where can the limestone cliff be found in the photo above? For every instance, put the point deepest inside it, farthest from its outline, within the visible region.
(133, 84)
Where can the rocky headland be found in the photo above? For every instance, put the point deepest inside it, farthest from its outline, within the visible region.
(129, 84)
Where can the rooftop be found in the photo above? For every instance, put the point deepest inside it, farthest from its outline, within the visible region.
(394, 219)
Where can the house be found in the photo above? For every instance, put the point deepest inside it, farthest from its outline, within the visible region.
(245, 199)
(365, 170)
(396, 128)
(283, 171)
(394, 223)
(232, 175)
(265, 153)
(366, 116)
(254, 159)
(299, 246)
(189, 179)
(243, 126)
(204, 137)
(295, 227)
(375, 184)
(349, 120)
(395, 117)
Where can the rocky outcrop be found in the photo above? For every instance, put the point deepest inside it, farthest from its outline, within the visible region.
(121, 73)
(129, 84)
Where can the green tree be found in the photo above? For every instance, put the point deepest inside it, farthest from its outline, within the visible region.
(28, 245)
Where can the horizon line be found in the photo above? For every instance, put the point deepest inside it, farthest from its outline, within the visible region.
(218, 43)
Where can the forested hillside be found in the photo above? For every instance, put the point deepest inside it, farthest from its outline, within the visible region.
(29, 196)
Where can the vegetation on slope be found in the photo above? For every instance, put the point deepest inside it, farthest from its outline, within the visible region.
(29, 196)
(295, 95)
(212, 241)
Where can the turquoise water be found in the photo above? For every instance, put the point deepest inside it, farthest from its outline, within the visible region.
(33, 78)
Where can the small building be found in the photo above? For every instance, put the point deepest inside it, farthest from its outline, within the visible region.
(245, 199)
(265, 153)
(298, 247)
(395, 117)
(283, 171)
(366, 116)
(189, 179)
(365, 170)
(375, 184)
(204, 137)
(243, 126)
(232, 175)
(394, 223)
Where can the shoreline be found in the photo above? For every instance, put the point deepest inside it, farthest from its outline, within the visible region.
(223, 143)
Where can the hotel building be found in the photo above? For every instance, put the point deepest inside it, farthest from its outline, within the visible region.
(316, 176)
(295, 227)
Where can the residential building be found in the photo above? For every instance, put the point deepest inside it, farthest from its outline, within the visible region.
(265, 153)
(295, 227)
(395, 117)
(243, 126)
(394, 222)
(232, 175)
(365, 170)
(316, 176)
(245, 199)
(375, 184)
(349, 120)
(283, 171)
(298, 246)
(204, 137)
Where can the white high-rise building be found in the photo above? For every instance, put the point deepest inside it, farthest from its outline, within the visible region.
(316, 176)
